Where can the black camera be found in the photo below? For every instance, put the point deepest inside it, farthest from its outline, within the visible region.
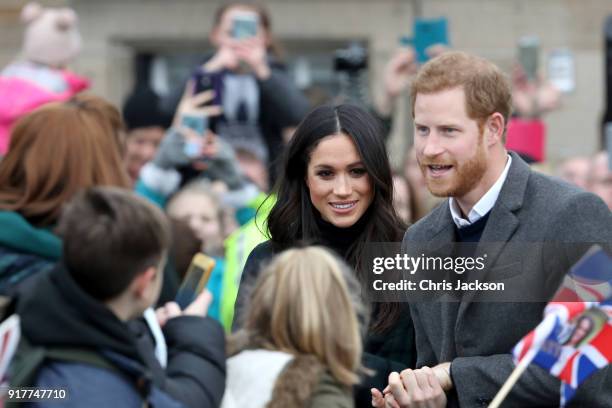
(352, 59)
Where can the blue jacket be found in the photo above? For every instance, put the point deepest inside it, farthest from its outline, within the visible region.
(195, 371)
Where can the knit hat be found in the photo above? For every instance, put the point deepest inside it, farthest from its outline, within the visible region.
(141, 109)
(51, 35)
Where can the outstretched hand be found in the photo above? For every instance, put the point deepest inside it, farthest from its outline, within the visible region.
(194, 104)
(199, 307)
(399, 71)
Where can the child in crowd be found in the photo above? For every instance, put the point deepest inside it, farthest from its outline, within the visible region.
(114, 246)
(291, 352)
(198, 206)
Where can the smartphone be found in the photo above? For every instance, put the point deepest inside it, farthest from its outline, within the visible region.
(195, 280)
(529, 55)
(205, 81)
(561, 71)
(244, 25)
(428, 32)
(199, 124)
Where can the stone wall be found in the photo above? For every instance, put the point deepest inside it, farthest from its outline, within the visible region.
(114, 29)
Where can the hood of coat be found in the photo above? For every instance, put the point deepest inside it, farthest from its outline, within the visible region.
(57, 312)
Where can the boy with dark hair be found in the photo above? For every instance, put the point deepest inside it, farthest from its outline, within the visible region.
(115, 244)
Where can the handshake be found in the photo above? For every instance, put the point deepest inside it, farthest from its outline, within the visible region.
(425, 387)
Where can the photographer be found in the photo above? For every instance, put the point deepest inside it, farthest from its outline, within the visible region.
(259, 100)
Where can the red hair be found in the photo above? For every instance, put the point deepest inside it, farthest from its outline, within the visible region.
(57, 150)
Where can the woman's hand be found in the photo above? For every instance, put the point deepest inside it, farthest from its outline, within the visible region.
(252, 51)
(224, 58)
(191, 104)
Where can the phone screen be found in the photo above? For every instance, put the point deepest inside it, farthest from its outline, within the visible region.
(244, 25)
(561, 72)
(195, 280)
(529, 54)
(199, 124)
(428, 32)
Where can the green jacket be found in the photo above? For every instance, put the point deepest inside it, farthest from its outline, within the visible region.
(24, 250)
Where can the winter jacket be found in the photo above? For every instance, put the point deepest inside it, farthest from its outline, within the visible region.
(25, 86)
(238, 246)
(393, 350)
(264, 378)
(195, 372)
(25, 251)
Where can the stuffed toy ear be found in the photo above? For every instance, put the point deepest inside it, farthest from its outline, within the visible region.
(31, 12)
(66, 19)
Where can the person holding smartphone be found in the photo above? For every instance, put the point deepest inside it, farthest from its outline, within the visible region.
(258, 98)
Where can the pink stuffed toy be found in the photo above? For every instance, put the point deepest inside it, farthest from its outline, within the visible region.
(51, 41)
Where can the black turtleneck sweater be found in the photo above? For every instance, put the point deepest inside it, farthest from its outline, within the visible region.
(339, 239)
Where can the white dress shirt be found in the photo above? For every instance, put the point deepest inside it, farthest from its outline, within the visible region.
(484, 205)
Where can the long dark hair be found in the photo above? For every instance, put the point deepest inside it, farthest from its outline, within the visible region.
(293, 217)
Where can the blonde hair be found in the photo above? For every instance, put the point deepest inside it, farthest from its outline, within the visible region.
(487, 89)
(306, 303)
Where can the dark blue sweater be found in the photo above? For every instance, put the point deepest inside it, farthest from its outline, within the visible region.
(472, 232)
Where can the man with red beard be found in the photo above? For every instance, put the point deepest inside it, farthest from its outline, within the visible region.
(461, 105)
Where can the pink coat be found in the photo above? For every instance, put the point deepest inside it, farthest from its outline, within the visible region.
(20, 96)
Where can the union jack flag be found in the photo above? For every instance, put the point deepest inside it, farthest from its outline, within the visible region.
(575, 338)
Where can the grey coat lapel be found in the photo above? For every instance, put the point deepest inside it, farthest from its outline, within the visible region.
(442, 232)
(502, 222)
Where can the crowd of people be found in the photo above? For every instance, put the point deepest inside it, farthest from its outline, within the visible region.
(102, 211)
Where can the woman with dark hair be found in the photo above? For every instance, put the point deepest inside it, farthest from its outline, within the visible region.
(336, 190)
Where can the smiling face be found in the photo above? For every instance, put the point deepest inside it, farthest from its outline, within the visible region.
(450, 146)
(339, 184)
(141, 146)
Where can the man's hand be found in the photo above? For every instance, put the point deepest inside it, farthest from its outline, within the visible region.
(420, 388)
(442, 373)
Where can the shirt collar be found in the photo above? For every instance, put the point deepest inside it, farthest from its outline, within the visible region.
(484, 205)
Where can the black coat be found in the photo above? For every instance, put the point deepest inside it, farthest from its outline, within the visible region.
(57, 313)
(384, 353)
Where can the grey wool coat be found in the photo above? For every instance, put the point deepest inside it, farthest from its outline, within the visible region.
(555, 222)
